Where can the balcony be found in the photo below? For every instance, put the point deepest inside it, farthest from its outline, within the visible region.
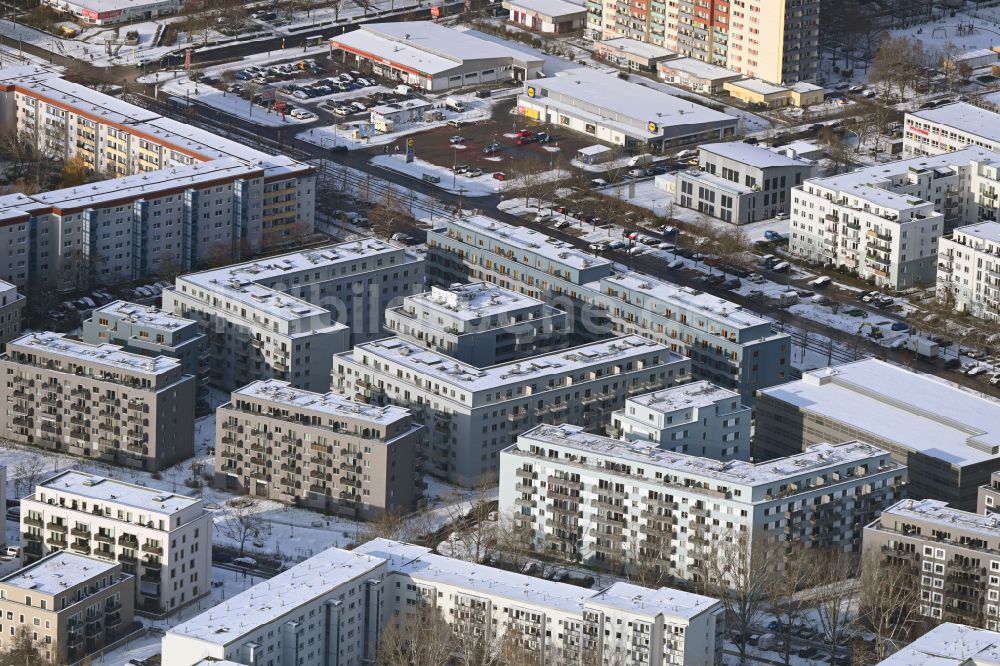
(80, 548)
(80, 532)
(57, 527)
(152, 548)
(104, 538)
(34, 522)
(105, 553)
(126, 540)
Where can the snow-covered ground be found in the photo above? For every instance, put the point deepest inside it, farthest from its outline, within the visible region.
(483, 186)
(184, 88)
(90, 46)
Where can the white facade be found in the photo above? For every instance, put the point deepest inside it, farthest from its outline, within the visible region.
(12, 306)
(968, 274)
(331, 608)
(109, 12)
(950, 127)
(611, 503)
(284, 317)
(163, 539)
(884, 221)
(473, 413)
(698, 418)
(949, 644)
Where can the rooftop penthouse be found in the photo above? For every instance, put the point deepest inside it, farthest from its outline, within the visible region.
(690, 395)
(474, 302)
(56, 351)
(150, 316)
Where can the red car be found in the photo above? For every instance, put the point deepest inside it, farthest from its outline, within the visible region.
(500, 175)
(525, 140)
(521, 134)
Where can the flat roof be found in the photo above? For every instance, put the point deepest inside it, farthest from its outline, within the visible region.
(815, 458)
(718, 182)
(920, 412)
(964, 117)
(102, 488)
(939, 512)
(699, 69)
(103, 354)
(804, 87)
(532, 241)
(988, 231)
(551, 8)
(272, 599)
(720, 308)
(58, 572)
(113, 5)
(635, 47)
(630, 99)
(149, 315)
(422, 564)
(753, 155)
(427, 363)
(975, 53)
(949, 644)
(693, 394)
(473, 301)
(328, 404)
(758, 86)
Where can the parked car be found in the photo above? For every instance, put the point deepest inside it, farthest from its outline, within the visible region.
(474, 173)
(598, 247)
(952, 364)
(899, 326)
(781, 267)
(245, 561)
(732, 283)
(457, 139)
(995, 379)
(302, 114)
(821, 281)
(598, 182)
(714, 279)
(500, 175)
(492, 148)
(976, 370)
(756, 278)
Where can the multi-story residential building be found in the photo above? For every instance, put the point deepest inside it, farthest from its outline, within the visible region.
(97, 401)
(968, 270)
(698, 418)
(323, 451)
(72, 605)
(988, 497)
(884, 222)
(285, 316)
(948, 128)
(479, 323)
(951, 553)
(3, 501)
(777, 41)
(947, 436)
(180, 196)
(727, 345)
(740, 183)
(161, 538)
(949, 644)
(624, 113)
(473, 413)
(11, 312)
(150, 331)
(614, 503)
(333, 607)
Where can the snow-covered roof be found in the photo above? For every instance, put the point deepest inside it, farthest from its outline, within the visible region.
(426, 46)
(58, 572)
(635, 47)
(148, 315)
(758, 86)
(988, 231)
(949, 644)
(919, 412)
(428, 363)
(699, 69)
(694, 394)
(108, 355)
(325, 404)
(628, 99)
(938, 512)
(91, 486)
(550, 8)
(964, 117)
(102, 6)
(738, 472)
(270, 600)
(421, 564)
(473, 301)
(756, 156)
(718, 182)
(975, 54)
(800, 147)
(596, 149)
(804, 87)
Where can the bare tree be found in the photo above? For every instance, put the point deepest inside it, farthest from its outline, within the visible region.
(514, 543)
(388, 216)
(24, 650)
(241, 521)
(26, 476)
(835, 595)
(474, 532)
(418, 637)
(888, 604)
(785, 599)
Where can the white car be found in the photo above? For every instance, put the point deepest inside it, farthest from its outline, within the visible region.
(343, 111)
(756, 278)
(302, 114)
(976, 370)
(995, 379)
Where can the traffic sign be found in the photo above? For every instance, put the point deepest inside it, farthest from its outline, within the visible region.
(409, 143)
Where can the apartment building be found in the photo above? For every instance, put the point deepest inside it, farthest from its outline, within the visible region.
(727, 345)
(697, 418)
(150, 331)
(179, 197)
(473, 413)
(739, 183)
(968, 270)
(884, 222)
(613, 503)
(162, 539)
(97, 401)
(948, 128)
(479, 323)
(946, 436)
(12, 306)
(776, 41)
(334, 606)
(951, 554)
(319, 450)
(988, 497)
(3, 501)
(949, 644)
(73, 605)
(283, 317)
